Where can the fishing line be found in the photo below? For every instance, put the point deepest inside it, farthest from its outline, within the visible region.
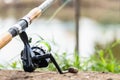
(58, 10)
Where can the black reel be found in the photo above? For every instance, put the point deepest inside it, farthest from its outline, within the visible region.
(35, 57)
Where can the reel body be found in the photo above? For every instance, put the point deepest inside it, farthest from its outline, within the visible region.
(35, 57)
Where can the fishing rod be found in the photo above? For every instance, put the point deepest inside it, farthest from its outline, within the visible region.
(32, 57)
(35, 56)
(23, 23)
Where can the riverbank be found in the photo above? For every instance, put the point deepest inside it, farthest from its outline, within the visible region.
(41, 75)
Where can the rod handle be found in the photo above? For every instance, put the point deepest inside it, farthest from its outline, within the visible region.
(34, 13)
(5, 39)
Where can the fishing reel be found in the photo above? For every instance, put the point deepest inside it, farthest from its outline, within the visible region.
(35, 57)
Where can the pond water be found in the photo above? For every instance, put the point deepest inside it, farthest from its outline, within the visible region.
(62, 33)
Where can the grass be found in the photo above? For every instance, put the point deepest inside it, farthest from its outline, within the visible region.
(12, 65)
(102, 61)
(105, 60)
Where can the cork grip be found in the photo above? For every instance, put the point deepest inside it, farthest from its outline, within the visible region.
(34, 13)
(5, 39)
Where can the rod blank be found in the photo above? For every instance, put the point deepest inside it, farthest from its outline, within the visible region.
(24, 23)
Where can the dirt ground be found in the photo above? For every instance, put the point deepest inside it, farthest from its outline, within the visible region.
(40, 75)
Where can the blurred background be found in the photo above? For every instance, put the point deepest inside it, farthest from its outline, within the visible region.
(99, 25)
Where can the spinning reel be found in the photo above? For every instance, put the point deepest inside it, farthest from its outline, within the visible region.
(35, 57)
